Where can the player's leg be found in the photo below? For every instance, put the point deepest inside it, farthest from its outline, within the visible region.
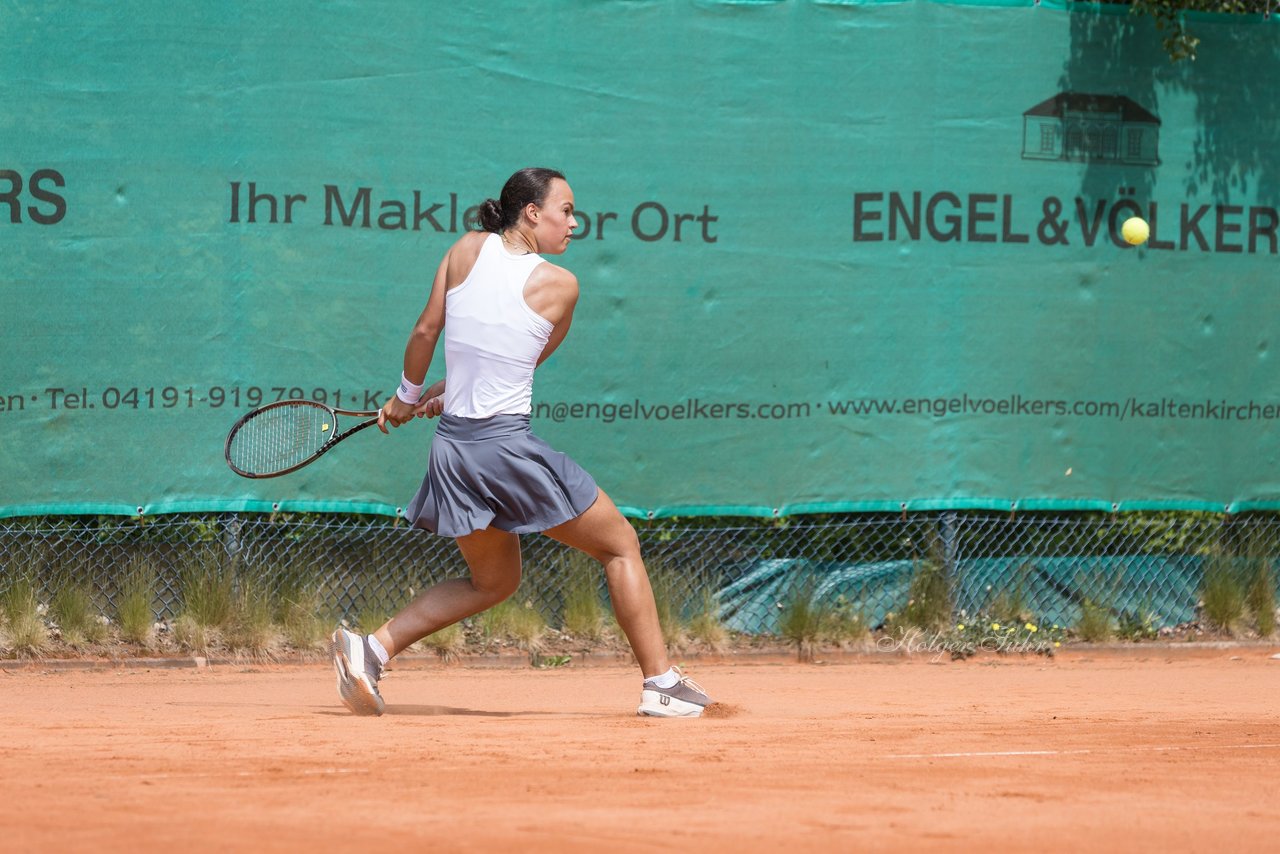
(492, 556)
(604, 533)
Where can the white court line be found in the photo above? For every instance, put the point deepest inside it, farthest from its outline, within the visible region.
(1083, 751)
(318, 772)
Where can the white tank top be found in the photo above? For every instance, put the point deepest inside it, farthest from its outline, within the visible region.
(492, 338)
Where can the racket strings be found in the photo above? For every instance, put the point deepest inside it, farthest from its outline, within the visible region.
(280, 438)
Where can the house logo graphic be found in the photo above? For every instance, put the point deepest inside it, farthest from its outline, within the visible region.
(1081, 127)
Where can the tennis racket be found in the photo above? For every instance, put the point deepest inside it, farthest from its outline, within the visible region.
(285, 436)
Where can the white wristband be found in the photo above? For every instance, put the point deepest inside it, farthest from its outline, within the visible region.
(408, 392)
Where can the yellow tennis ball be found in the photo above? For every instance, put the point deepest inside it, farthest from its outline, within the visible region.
(1135, 230)
(324, 428)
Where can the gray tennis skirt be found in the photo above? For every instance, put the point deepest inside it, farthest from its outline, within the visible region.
(495, 472)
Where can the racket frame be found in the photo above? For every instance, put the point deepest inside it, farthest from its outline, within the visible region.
(337, 437)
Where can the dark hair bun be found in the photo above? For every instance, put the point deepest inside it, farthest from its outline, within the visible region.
(527, 187)
(491, 215)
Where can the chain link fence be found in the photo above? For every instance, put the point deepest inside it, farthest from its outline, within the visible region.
(1149, 569)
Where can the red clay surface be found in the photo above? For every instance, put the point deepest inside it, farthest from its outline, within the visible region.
(1155, 751)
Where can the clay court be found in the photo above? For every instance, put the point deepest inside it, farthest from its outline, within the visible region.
(1143, 749)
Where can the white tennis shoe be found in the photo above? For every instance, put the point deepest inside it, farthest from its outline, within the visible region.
(685, 699)
(358, 673)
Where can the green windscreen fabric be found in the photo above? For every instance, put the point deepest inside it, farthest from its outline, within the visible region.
(833, 256)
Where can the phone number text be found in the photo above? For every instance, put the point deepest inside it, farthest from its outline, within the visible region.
(192, 397)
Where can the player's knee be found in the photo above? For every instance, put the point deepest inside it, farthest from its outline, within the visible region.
(497, 589)
(627, 543)
(624, 559)
(620, 559)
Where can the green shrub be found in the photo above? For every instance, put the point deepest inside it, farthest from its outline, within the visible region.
(207, 588)
(1261, 596)
(705, 626)
(495, 623)
(514, 622)
(670, 592)
(448, 643)
(844, 624)
(1096, 622)
(1223, 592)
(583, 608)
(1010, 604)
(803, 619)
(20, 606)
(808, 621)
(72, 609)
(1138, 625)
(371, 617)
(983, 632)
(135, 604)
(528, 627)
(929, 595)
(298, 610)
(191, 634)
(251, 627)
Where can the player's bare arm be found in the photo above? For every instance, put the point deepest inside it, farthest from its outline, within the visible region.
(420, 349)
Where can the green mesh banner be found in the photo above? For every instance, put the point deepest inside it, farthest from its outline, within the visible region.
(833, 255)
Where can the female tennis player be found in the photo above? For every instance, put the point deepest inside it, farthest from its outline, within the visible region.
(503, 310)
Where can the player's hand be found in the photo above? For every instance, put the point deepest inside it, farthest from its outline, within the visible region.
(394, 412)
(429, 408)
